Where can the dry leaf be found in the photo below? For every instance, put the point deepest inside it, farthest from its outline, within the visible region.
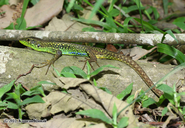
(43, 11)
(136, 52)
(93, 97)
(7, 19)
(68, 123)
(64, 24)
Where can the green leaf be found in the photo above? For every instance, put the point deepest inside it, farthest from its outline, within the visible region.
(3, 105)
(149, 10)
(12, 105)
(74, 70)
(177, 68)
(90, 29)
(21, 24)
(34, 2)
(55, 70)
(165, 88)
(19, 90)
(43, 82)
(180, 22)
(88, 70)
(105, 25)
(95, 8)
(139, 5)
(97, 114)
(25, 5)
(39, 87)
(14, 96)
(68, 74)
(148, 102)
(126, 21)
(111, 23)
(94, 81)
(35, 99)
(111, 6)
(165, 58)
(11, 26)
(142, 96)
(6, 88)
(77, 7)
(176, 31)
(67, 69)
(168, 92)
(181, 93)
(114, 115)
(4, 2)
(161, 100)
(114, 12)
(101, 69)
(69, 7)
(130, 99)
(35, 90)
(164, 111)
(171, 51)
(148, 26)
(183, 110)
(31, 27)
(165, 6)
(133, 8)
(30, 93)
(125, 92)
(156, 14)
(123, 122)
(172, 35)
(105, 89)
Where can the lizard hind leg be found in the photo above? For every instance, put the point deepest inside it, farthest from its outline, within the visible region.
(92, 58)
(90, 61)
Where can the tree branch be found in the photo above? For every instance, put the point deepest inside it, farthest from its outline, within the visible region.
(93, 37)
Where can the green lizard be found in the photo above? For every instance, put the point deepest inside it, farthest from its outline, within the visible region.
(59, 48)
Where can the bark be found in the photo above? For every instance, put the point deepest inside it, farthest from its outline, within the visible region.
(93, 37)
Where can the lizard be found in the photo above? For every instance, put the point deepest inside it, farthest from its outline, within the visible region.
(92, 53)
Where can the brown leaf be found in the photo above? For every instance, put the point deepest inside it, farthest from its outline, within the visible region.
(111, 48)
(89, 97)
(64, 24)
(136, 53)
(68, 123)
(43, 11)
(7, 19)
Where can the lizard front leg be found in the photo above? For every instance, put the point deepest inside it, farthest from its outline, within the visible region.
(52, 61)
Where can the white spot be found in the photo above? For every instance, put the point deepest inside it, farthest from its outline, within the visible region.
(41, 34)
(146, 40)
(168, 38)
(11, 35)
(9, 76)
(117, 36)
(181, 36)
(95, 36)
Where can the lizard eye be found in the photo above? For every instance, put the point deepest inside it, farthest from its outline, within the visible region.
(27, 39)
(38, 45)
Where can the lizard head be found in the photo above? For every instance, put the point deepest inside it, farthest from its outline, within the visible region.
(37, 44)
(31, 42)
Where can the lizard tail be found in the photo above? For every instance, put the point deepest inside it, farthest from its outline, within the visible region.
(127, 60)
